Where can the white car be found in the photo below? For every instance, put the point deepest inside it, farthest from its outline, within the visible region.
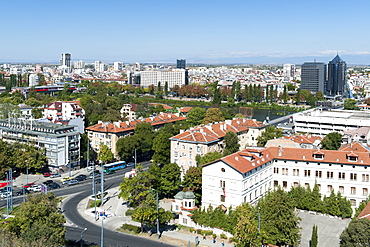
(36, 188)
(5, 194)
(54, 175)
(90, 168)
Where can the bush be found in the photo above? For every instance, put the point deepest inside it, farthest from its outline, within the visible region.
(214, 235)
(223, 236)
(208, 232)
(92, 203)
(191, 229)
(199, 231)
(131, 228)
(129, 212)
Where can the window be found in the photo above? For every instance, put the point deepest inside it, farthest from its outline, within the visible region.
(276, 183)
(222, 198)
(222, 184)
(222, 169)
(276, 170)
(189, 204)
(183, 146)
(365, 177)
(341, 175)
(285, 171)
(353, 176)
(176, 153)
(353, 190)
(318, 174)
(186, 204)
(285, 184)
(295, 184)
(295, 172)
(307, 173)
(190, 156)
(319, 187)
(330, 188)
(329, 175)
(353, 202)
(198, 149)
(184, 221)
(177, 207)
(341, 189)
(364, 191)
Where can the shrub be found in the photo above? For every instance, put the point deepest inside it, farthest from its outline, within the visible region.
(214, 235)
(191, 229)
(199, 231)
(92, 203)
(223, 236)
(129, 212)
(131, 228)
(208, 232)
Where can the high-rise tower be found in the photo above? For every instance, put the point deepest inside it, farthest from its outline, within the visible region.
(66, 60)
(313, 76)
(181, 63)
(336, 77)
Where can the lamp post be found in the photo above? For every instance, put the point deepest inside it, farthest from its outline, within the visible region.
(69, 166)
(102, 231)
(27, 173)
(81, 240)
(156, 202)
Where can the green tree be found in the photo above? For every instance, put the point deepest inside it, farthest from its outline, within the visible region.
(285, 94)
(272, 99)
(126, 146)
(162, 148)
(350, 104)
(270, 133)
(38, 219)
(356, 234)
(231, 143)
(213, 115)
(279, 221)
(298, 97)
(314, 237)
(166, 88)
(331, 141)
(267, 94)
(216, 96)
(145, 134)
(237, 90)
(319, 95)
(246, 231)
(195, 116)
(159, 88)
(192, 181)
(208, 157)
(170, 179)
(105, 154)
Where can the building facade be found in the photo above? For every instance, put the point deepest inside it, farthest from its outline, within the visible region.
(174, 77)
(61, 142)
(208, 138)
(337, 77)
(59, 110)
(66, 60)
(129, 111)
(313, 77)
(181, 64)
(247, 175)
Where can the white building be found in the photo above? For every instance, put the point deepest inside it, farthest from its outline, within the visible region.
(172, 77)
(79, 64)
(33, 80)
(321, 122)
(288, 70)
(117, 66)
(184, 205)
(247, 175)
(58, 111)
(99, 66)
(129, 111)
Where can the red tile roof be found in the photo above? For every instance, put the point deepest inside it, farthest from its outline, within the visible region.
(365, 213)
(185, 109)
(354, 146)
(304, 138)
(213, 132)
(130, 125)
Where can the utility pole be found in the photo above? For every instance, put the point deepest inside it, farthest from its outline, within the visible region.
(156, 200)
(27, 172)
(135, 159)
(88, 147)
(102, 201)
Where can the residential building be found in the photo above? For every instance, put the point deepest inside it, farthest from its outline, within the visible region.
(60, 110)
(99, 66)
(79, 64)
(61, 142)
(26, 110)
(313, 76)
(66, 60)
(288, 70)
(296, 141)
(129, 111)
(337, 77)
(181, 64)
(203, 139)
(173, 77)
(33, 80)
(322, 122)
(184, 204)
(247, 175)
(117, 66)
(109, 133)
(361, 135)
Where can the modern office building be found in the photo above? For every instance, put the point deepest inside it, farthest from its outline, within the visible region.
(172, 77)
(337, 77)
(181, 64)
(313, 76)
(66, 60)
(61, 142)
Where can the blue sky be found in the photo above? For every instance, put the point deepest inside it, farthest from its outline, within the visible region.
(203, 31)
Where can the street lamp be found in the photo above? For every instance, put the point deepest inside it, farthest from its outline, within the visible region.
(69, 166)
(81, 240)
(156, 203)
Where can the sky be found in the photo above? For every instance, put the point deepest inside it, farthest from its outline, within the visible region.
(202, 31)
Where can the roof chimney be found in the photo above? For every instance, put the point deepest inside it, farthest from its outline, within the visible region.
(280, 151)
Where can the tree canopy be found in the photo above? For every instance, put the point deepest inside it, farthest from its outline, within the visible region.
(270, 133)
(356, 234)
(350, 104)
(213, 115)
(231, 143)
(331, 141)
(195, 116)
(208, 157)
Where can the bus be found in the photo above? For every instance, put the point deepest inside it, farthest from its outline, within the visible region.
(115, 166)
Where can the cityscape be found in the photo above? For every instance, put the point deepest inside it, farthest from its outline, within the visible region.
(202, 123)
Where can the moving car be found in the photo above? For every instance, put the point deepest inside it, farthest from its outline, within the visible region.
(96, 175)
(65, 179)
(28, 185)
(54, 175)
(81, 177)
(47, 182)
(71, 182)
(22, 192)
(109, 172)
(47, 174)
(54, 186)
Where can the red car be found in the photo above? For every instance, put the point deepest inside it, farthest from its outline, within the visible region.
(28, 185)
(46, 174)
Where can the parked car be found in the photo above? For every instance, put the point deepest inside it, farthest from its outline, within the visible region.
(90, 168)
(53, 186)
(96, 175)
(22, 192)
(47, 182)
(47, 174)
(35, 188)
(65, 179)
(71, 182)
(5, 194)
(54, 175)
(81, 177)
(28, 185)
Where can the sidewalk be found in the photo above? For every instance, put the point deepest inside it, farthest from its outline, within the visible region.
(115, 208)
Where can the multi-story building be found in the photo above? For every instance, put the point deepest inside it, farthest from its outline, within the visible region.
(59, 110)
(208, 138)
(33, 80)
(181, 64)
(61, 142)
(129, 111)
(79, 64)
(247, 175)
(320, 122)
(296, 141)
(337, 77)
(313, 76)
(109, 133)
(288, 70)
(66, 60)
(172, 77)
(117, 66)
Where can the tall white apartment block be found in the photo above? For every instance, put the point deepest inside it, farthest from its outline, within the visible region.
(79, 64)
(117, 66)
(172, 77)
(99, 66)
(289, 70)
(66, 60)
(33, 80)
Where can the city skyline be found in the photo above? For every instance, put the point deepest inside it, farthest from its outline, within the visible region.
(265, 32)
